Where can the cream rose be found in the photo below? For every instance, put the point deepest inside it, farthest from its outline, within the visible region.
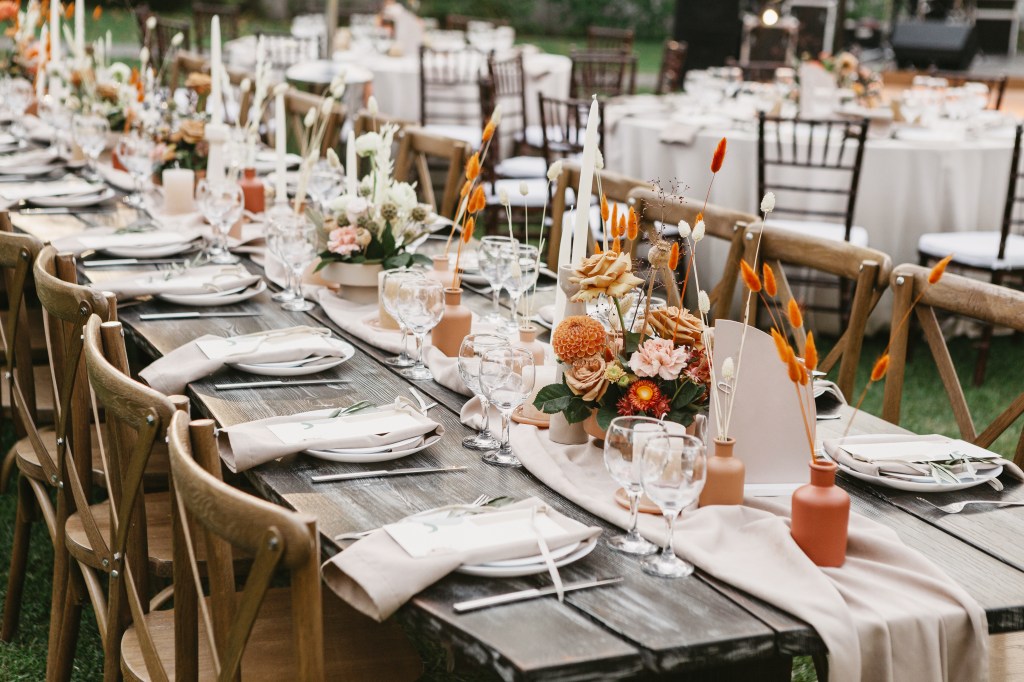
(586, 377)
(606, 273)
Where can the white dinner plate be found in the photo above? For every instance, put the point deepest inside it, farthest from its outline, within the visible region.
(219, 298)
(356, 457)
(75, 200)
(556, 554)
(34, 169)
(157, 251)
(295, 368)
(516, 571)
(922, 484)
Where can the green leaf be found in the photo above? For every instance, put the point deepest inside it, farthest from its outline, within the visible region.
(553, 406)
(399, 260)
(421, 259)
(577, 411)
(630, 342)
(553, 398)
(688, 393)
(606, 414)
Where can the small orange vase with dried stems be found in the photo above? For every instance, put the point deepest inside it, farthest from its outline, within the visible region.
(821, 516)
(454, 326)
(724, 484)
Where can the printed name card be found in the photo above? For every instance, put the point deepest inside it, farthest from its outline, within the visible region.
(350, 426)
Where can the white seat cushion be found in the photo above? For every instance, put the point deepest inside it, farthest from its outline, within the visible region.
(471, 135)
(976, 249)
(537, 192)
(823, 230)
(534, 135)
(522, 167)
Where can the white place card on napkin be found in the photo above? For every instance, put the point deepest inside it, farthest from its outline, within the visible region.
(930, 450)
(133, 239)
(232, 346)
(479, 532)
(352, 426)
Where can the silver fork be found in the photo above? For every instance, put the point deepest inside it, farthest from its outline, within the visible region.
(478, 502)
(957, 507)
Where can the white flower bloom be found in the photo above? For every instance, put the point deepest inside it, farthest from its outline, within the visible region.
(371, 106)
(703, 302)
(310, 118)
(599, 163)
(178, 39)
(151, 23)
(698, 231)
(768, 202)
(280, 89)
(339, 204)
(338, 86)
(332, 159)
(367, 144)
(356, 208)
(728, 369)
(326, 107)
(403, 195)
(524, 189)
(496, 116)
(503, 197)
(684, 229)
(144, 56)
(555, 171)
(246, 85)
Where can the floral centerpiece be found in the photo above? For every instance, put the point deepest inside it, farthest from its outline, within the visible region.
(852, 75)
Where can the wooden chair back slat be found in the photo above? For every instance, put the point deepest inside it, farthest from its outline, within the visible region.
(297, 104)
(416, 148)
(204, 12)
(563, 125)
(673, 67)
(186, 62)
(365, 123)
(605, 74)
(18, 253)
(604, 38)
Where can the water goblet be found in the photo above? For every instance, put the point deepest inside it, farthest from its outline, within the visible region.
(53, 112)
(391, 285)
(520, 264)
(324, 183)
(488, 256)
(298, 242)
(507, 376)
(18, 94)
(90, 132)
(221, 204)
(623, 447)
(278, 219)
(674, 469)
(470, 354)
(420, 307)
(135, 152)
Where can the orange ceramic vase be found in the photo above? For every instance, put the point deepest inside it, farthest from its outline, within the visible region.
(821, 516)
(594, 430)
(724, 484)
(454, 326)
(528, 341)
(253, 192)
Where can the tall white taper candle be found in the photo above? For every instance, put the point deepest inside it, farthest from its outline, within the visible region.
(280, 146)
(351, 165)
(583, 194)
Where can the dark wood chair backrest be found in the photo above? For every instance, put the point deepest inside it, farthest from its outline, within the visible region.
(450, 86)
(506, 83)
(1012, 219)
(612, 39)
(460, 22)
(204, 12)
(162, 36)
(416, 148)
(673, 67)
(18, 254)
(605, 74)
(563, 124)
(186, 62)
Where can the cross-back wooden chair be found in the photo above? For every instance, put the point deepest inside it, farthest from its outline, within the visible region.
(869, 269)
(267, 632)
(673, 67)
(450, 92)
(610, 39)
(297, 104)
(204, 12)
(563, 125)
(365, 123)
(186, 62)
(660, 214)
(416, 149)
(986, 302)
(605, 74)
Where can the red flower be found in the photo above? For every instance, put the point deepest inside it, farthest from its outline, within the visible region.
(643, 394)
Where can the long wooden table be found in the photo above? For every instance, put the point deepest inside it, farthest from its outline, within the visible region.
(696, 628)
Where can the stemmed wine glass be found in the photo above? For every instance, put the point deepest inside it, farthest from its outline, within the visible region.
(278, 220)
(298, 242)
(221, 203)
(420, 307)
(18, 94)
(324, 183)
(673, 471)
(471, 352)
(519, 266)
(623, 447)
(53, 112)
(488, 256)
(135, 152)
(90, 132)
(392, 284)
(507, 376)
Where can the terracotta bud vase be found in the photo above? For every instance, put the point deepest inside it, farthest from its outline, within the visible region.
(594, 430)
(528, 341)
(253, 191)
(724, 484)
(454, 326)
(821, 516)
(440, 272)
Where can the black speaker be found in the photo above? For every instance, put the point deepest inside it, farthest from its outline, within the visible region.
(922, 44)
(712, 30)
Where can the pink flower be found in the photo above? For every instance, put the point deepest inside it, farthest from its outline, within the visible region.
(343, 240)
(699, 371)
(659, 357)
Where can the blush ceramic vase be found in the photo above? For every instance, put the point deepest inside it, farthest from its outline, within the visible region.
(594, 430)
(821, 516)
(454, 326)
(253, 191)
(528, 341)
(724, 484)
(440, 272)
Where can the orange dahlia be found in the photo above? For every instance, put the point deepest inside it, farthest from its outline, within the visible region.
(643, 394)
(576, 337)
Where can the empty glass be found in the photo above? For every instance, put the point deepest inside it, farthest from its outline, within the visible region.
(420, 307)
(18, 94)
(674, 470)
(135, 152)
(519, 266)
(90, 132)
(623, 446)
(324, 183)
(488, 254)
(298, 245)
(391, 285)
(277, 224)
(507, 378)
(221, 204)
(54, 114)
(470, 354)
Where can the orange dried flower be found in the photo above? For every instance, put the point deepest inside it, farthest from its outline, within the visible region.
(770, 286)
(643, 394)
(597, 247)
(700, 217)
(615, 221)
(473, 167)
(793, 366)
(488, 131)
(605, 212)
(633, 225)
(478, 201)
(577, 337)
(940, 269)
(467, 229)
(796, 318)
(617, 246)
(781, 345)
(673, 257)
(810, 353)
(719, 157)
(468, 185)
(69, 11)
(622, 226)
(880, 368)
(97, 12)
(750, 277)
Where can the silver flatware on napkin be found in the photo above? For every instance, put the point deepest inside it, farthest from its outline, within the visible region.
(121, 262)
(60, 210)
(384, 472)
(525, 595)
(277, 383)
(957, 507)
(194, 315)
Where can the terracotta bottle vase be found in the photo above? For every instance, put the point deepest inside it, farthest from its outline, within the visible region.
(253, 191)
(821, 516)
(440, 272)
(528, 341)
(724, 484)
(454, 325)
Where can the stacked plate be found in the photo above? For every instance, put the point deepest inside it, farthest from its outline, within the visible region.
(383, 453)
(305, 366)
(226, 297)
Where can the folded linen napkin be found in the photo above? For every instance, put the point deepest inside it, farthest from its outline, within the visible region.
(208, 354)
(679, 133)
(32, 157)
(909, 454)
(360, 320)
(68, 186)
(887, 614)
(378, 574)
(100, 238)
(205, 279)
(118, 179)
(254, 443)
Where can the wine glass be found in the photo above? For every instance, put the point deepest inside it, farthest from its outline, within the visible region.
(298, 243)
(324, 183)
(507, 378)
(391, 285)
(470, 354)
(623, 447)
(278, 220)
(53, 113)
(18, 94)
(135, 152)
(221, 204)
(673, 471)
(488, 256)
(519, 264)
(420, 307)
(90, 132)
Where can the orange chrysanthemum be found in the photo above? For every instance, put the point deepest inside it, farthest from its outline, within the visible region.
(810, 353)
(750, 277)
(577, 337)
(643, 394)
(632, 225)
(880, 368)
(8, 10)
(673, 257)
(467, 229)
(770, 286)
(605, 211)
(478, 201)
(719, 157)
(97, 12)
(796, 318)
(940, 268)
(473, 167)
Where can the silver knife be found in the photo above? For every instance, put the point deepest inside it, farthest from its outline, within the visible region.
(193, 315)
(60, 210)
(277, 383)
(384, 472)
(118, 262)
(524, 595)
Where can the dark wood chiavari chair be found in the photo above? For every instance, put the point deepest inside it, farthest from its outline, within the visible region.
(506, 87)
(672, 69)
(563, 125)
(461, 22)
(605, 74)
(415, 150)
(203, 13)
(162, 36)
(186, 62)
(761, 72)
(450, 92)
(604, 38)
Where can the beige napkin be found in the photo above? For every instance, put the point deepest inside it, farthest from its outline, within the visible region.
(888, 615)
(206, 279)
(834, 448)
(377, 576)
(174, 371)
(358, 319)
(254, 443)
(679, 133)
(66, 187)
(100, 238)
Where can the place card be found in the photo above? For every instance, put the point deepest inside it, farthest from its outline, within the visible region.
(129, 239)
(217, 349)
(931, 450)
(347, 427)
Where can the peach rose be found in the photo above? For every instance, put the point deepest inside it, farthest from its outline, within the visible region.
(586, 378)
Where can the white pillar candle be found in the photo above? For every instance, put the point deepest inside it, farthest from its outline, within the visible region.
(179, 190)
(351, 165)
(582, 226)
(216, 135)
(214, 102)
(80, 28)
(55, 32)
(280, 145)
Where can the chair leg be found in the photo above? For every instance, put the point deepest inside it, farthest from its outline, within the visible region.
(24, 516)
(981, 364)
(10, 461)
(60, 661)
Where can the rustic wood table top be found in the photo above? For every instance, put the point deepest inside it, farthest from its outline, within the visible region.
(697, 628)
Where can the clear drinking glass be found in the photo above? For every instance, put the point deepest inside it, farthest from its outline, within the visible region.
(90, 132)
(18, 94)
(298, 243)
(324, 183)
(221, 203)
(470, 354)
(507, 378)
(135, 153)
(277, 225)
(53, 112)
(420, 307)
(391, 285)
(488, 256)
(673, 471)
(519, 267)
(623, 447)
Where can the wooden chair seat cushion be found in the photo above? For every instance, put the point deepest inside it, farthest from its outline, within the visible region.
(44, 394)
(355, 647)
(821, 229)
(28, 462)
(975, 249)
